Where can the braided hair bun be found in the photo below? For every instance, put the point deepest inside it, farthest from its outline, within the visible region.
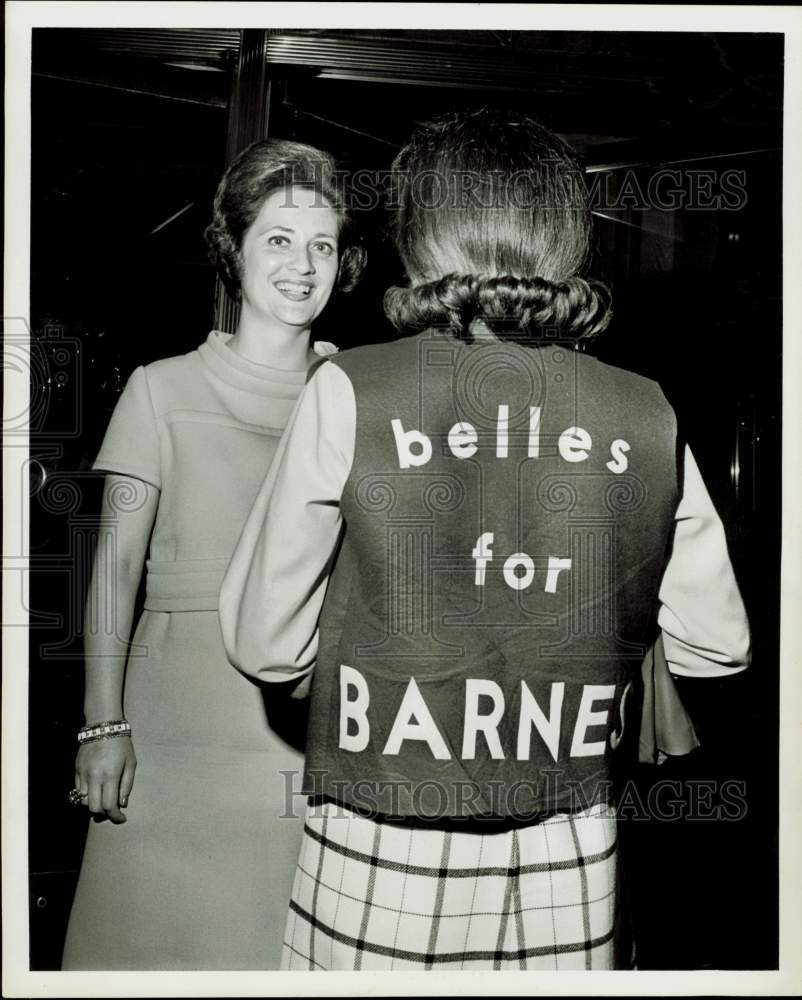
(509, 307)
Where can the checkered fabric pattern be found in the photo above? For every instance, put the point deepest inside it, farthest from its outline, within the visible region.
(383, 896)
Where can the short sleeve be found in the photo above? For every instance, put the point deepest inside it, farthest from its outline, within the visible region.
(131, 444)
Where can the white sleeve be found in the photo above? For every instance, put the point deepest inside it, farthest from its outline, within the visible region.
(702, 614)
(275, 584)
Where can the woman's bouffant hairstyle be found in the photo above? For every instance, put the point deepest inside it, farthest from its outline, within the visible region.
(259, 170)
(493, 224)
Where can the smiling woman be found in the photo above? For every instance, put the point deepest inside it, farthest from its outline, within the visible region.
(289, 266)
(280, 218)
(199, 875)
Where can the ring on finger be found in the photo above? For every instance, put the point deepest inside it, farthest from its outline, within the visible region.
(77, 797)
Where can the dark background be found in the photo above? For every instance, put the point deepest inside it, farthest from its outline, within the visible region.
(131, 132)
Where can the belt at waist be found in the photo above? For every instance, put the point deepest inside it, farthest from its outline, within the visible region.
(188, 585)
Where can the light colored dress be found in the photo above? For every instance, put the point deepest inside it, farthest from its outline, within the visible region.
(200, 875)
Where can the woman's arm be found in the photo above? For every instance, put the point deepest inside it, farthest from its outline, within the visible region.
(105, 769)
(702, 614)
(274, 588)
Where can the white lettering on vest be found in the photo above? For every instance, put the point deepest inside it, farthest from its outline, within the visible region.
(501, 432)
(414, 721)
(534, 432)
(619, 463)
(403, 443)
(555, 568)
(462, 440)
(482, 554)
(532, 714)
(574, 444)
(617, 735)
(355, 709)
(486, 724)
(586, 717)
(511, 578)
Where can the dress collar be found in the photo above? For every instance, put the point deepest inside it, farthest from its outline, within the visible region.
(248, 375)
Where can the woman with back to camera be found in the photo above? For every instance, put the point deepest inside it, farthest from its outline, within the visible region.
(469, 529)
(199, 874)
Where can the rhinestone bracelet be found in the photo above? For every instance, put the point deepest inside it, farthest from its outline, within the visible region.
(104, 731)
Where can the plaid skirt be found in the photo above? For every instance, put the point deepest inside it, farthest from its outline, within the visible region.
(383, 896)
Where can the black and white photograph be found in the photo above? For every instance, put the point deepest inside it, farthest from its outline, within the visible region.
(401, 561)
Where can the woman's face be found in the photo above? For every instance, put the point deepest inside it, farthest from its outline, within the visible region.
(289, 259)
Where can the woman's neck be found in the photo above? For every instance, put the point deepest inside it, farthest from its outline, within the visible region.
(283, 348)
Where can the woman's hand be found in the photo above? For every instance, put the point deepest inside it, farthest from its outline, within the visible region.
(104, 771)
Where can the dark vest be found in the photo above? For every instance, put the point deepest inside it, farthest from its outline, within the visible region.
(462, 674)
